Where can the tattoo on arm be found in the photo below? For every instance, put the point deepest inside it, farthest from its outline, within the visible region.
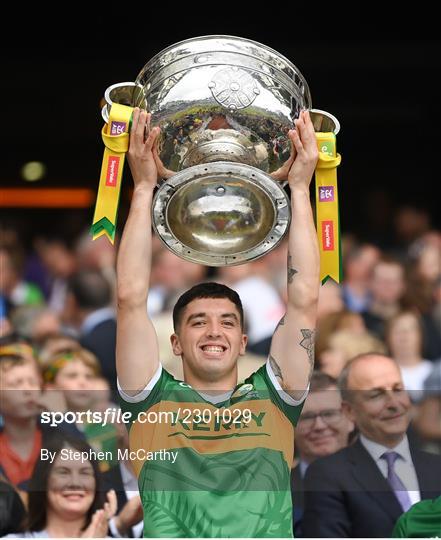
(308, 343)
(280, 323)
(276, 369)
(291, 271)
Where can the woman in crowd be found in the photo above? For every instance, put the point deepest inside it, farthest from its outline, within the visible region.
(332, 323)
(65, 498)
(344, 345)
(404, 338)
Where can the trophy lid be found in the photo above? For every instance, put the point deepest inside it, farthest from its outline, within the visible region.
(223, 50)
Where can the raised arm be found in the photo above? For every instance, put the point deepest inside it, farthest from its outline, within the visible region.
(137, 356)
(292, 347)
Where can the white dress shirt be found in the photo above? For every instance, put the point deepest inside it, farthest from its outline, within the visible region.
(404, 466)
(303, 467)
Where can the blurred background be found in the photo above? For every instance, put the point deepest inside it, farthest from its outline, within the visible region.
(378, 78)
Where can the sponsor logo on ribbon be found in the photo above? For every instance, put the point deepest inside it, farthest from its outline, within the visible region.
(112, 171)
(326, 193)
(117, 128)
(328, 235)
(327, 147)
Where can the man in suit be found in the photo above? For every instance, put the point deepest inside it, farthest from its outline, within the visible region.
(88, 308)
(362, 490)
(322, 430)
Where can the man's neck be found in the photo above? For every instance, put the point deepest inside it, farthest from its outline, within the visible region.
(214, 387)
(19, 431)
(20, 435)
(389, 442)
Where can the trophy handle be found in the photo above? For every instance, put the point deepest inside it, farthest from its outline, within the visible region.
(324, 122)
(125, 93)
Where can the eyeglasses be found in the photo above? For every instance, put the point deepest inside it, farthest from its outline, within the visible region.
(330, 417)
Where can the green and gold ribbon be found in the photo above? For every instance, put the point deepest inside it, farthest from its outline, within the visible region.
(17, 349)
(115, 135)
(55, 364)
(327, 213)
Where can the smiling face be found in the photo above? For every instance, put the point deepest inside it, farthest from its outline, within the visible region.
(379, 405)
(322, 428)
(210, 340)
(76, 380)
(71, 488)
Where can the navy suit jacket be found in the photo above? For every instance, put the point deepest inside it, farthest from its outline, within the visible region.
(347, 496)
(297, 489)
(101, 340)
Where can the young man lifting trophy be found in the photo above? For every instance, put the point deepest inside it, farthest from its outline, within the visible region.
(215, 130)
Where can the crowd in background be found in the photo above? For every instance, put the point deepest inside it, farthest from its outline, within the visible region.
(57, 352)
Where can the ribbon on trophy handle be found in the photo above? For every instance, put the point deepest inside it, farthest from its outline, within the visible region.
(115, 135)
(327, 211)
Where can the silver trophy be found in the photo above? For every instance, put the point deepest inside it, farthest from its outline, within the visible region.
(224, 105)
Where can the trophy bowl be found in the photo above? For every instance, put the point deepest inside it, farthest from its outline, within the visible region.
(224, 105)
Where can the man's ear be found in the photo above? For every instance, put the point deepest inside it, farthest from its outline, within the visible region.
(348, 411)
(176, 344)
(243, 345)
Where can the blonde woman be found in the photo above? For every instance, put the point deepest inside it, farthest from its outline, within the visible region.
(344, 345)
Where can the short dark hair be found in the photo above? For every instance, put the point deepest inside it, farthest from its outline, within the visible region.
(206, 290)
(90, 289)
(37, 507)
(321, 381)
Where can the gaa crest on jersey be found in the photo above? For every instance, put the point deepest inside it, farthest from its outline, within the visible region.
(242, 390)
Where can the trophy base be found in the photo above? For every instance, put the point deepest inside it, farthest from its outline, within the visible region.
(221, 213)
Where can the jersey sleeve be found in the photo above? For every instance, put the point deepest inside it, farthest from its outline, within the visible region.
(400, 529)
(147, 397)
(264, 380)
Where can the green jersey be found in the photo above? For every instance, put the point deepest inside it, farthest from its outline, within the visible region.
(422, 520)
(213, 470)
